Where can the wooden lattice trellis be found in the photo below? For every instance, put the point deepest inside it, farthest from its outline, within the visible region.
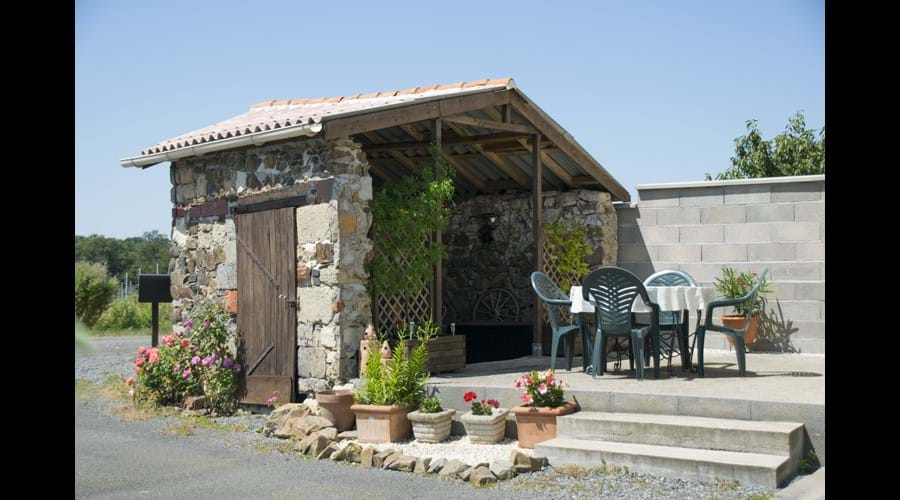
(549, 267)
(415, 306)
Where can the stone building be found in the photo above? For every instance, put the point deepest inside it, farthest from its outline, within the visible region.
(271, 214)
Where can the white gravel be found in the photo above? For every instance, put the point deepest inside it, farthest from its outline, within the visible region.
(457, 447)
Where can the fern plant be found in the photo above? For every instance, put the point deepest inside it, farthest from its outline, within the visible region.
(402, 381)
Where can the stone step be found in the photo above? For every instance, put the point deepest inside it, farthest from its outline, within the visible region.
(757, 469)
(775, 438)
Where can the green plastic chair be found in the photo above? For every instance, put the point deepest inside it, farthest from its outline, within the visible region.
(671, 321)
(613, 291)
(553, 299)
(736, 334)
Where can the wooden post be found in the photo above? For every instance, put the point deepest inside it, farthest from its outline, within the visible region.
(537, 227)
(154, 311)
(438, 296)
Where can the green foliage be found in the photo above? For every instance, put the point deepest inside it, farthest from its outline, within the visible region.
(733, 285)
(405, 214)
(430, 404)
(796, 151)
(567, 250)
(94, 290)
(129, 314)
(809, 463)
(403, 380)
(125, 255)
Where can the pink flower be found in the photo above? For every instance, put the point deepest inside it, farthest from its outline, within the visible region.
(137, 370)
(206, 325)
(272, 400)
(131, 393)
(542, 389)
(142, 350)
(139, 362)
(526, 398)
(195, 360)
(237, 368)
(550, 380)
(186, 373)
(208, 360)
(169, 340)
(188, 323)
(185, 342)
(227, 363)
(154, 355)
(129, 381)
(518, 384)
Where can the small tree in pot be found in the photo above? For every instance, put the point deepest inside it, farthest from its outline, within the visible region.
(734, 285)
(431, 423)
(543, 400)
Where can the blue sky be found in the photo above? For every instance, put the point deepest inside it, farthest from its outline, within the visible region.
(657, 91)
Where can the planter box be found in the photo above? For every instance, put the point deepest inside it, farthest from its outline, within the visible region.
(382, 424)
(486, 429)
(445, 353)
(335, 406)
(431, 427)
(737, 322)
(536, 425)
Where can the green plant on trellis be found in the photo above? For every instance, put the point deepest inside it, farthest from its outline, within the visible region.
(405, 215)
(567, 248)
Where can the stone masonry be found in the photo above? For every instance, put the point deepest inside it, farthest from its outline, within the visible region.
(480, 258)
(332, 242)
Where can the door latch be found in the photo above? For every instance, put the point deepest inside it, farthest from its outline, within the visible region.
(292, 302)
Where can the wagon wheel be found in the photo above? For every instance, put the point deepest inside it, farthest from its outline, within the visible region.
(496, 304)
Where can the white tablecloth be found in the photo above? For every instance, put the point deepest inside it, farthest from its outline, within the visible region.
(669, 298)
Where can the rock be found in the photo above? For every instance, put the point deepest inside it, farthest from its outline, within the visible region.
(312, 423)
(349, 453)
(436, 465)
(378, 459)
(422, 465)
(523, 463)
(390, 459)
(280, 415)
(329, 432)
(503, 469)
(403, 463)
(303, 445)
(312, 406)
(318, 444)
(482, 476)
(453, 468)
(195, 402)
(465, 475)
(366, 456)
(347, 435)
(327, 452)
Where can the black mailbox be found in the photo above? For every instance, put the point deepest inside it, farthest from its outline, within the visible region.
(154, 288)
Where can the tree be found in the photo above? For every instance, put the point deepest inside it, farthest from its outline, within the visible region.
(796, 151)
(94, 290)
(127, 255)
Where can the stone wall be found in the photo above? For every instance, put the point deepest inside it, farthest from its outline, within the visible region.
(749, 225)
(333, 306)
(474, 264)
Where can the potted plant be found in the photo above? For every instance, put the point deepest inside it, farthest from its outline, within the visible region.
(335, 406)
(389, 391)
(485, 423)
(431, 423)
(542, 402)
(734, 285)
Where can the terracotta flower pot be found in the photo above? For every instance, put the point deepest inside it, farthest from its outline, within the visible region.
(335, 406)
(738, 322)
(535, 425)
(431, 427)
(382, 424)
(486, 429)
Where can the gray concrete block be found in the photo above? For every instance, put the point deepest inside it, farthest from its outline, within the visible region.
(748, 233)
(761, 252)
(809, 329)
(701, 234)
(659, 234)
(591, 400)
(707, 273)
(810, 250)
(637, 216)
(714, 407)
(640, 403)
(681, 216)
(809, 291)
(797, 310)
(810, 212)
(637, 253)
(747, 194)
(723, 215)
(735, 252)
(796, 231)
(801, 191)
(782, 290)
(678, 253)
(656, 198)
(771, 212)
(794, 271)
(701, 197)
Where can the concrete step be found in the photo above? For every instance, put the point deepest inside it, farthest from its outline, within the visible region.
(768, 471)
(774, 438)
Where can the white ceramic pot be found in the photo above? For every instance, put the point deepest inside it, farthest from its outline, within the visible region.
(431, 427)
(486, 429)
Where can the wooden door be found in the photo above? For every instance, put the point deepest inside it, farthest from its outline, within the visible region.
(267, 313)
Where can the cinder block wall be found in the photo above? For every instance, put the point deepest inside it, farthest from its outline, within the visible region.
(776, 223)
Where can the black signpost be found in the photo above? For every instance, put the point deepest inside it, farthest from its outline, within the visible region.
(154, 288)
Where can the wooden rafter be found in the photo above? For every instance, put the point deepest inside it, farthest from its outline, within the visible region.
(456, 141)
(546, 159)
(491, 124)
(501, 163)
(463, 170)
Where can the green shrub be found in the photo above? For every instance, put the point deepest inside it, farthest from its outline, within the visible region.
(430, 404)
(94, 290)
(403, 380)
(129, 314)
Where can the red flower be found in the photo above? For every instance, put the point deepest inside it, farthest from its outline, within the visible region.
(470, 396)
(494, 403)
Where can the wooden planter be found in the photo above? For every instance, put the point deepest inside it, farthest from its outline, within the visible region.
(431, 427)
(486, 429)
(536, 425)
(445, 353)
(382, 424)
(335, 406)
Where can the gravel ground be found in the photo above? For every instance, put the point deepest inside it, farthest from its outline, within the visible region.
(458, 447)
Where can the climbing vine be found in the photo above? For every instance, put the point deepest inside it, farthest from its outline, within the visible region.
(405, 216)
(567, 251)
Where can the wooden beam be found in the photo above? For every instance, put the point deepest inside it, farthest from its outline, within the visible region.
(504, 165)
(503, 185)
(400, 157)
(491, 124)
(345, 126)
(537, 223)
(438, 304)
(584, 180)
(567, 144)
(455, 141)
(464, 171)
(555, 167)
